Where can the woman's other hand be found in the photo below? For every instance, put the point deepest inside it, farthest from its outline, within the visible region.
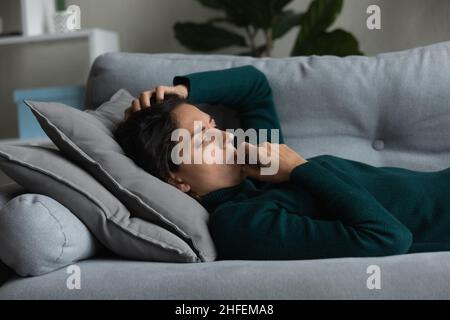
(278, 156)
(159, 92)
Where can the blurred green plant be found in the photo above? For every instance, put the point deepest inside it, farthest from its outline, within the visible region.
(251, 18)
(60, 5)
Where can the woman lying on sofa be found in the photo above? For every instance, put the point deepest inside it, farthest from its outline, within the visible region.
(322, 207)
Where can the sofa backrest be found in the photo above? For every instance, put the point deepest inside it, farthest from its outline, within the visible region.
(389, 110)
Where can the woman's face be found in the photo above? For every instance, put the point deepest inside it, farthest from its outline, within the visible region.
(211, 152)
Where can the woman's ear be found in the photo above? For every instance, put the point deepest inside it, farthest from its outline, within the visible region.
(178, 183)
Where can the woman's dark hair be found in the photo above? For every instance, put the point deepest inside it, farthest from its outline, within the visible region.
(145, 136)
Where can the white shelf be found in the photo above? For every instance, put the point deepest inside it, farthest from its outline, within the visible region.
(51, 36)
(95, 42)
(100, 41)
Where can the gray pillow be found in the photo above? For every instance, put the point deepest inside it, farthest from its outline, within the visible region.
(39, 235)
(86, 137)
(47, 172)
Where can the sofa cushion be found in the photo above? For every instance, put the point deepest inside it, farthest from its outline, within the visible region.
(39, 235)
(46, 171)
(422, 276)
(87, 138)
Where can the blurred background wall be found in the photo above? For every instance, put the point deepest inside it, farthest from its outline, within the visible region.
(146, 25)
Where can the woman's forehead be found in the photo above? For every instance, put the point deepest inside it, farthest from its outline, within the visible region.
(187, 114)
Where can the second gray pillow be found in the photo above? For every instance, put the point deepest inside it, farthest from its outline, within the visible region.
(86, 137)
(46, 171)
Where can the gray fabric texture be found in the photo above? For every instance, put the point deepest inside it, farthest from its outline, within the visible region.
(39, 235)
(87, 138)
(415, 276)
(46, 171)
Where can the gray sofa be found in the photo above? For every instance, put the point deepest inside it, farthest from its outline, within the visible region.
(389, 110)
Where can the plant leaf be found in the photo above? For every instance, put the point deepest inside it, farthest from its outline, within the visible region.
(320, 15)
(285, 22)
(219, 20)
(264, 12)
(261, 14)
(247, 12)
(337, 43)
(258, 13)
(215, 4)
(278, 5)
(206, 37)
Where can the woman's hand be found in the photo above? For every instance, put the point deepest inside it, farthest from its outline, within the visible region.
(272, 155)
(159, 92)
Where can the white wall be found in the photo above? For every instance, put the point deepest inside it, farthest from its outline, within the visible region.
(405, 23)
(146, 26)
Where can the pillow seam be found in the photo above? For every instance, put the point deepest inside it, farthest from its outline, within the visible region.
(64, 245)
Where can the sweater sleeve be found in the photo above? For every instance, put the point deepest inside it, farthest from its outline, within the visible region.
(243, 89)
(359, 226)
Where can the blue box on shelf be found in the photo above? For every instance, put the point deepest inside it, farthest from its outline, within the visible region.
(29, 127)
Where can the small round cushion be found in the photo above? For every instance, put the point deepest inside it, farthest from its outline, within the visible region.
(39, 235)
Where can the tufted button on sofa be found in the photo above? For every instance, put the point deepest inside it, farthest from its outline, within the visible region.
(378, 145)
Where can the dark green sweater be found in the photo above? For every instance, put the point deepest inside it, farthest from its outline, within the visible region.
(331, 207)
